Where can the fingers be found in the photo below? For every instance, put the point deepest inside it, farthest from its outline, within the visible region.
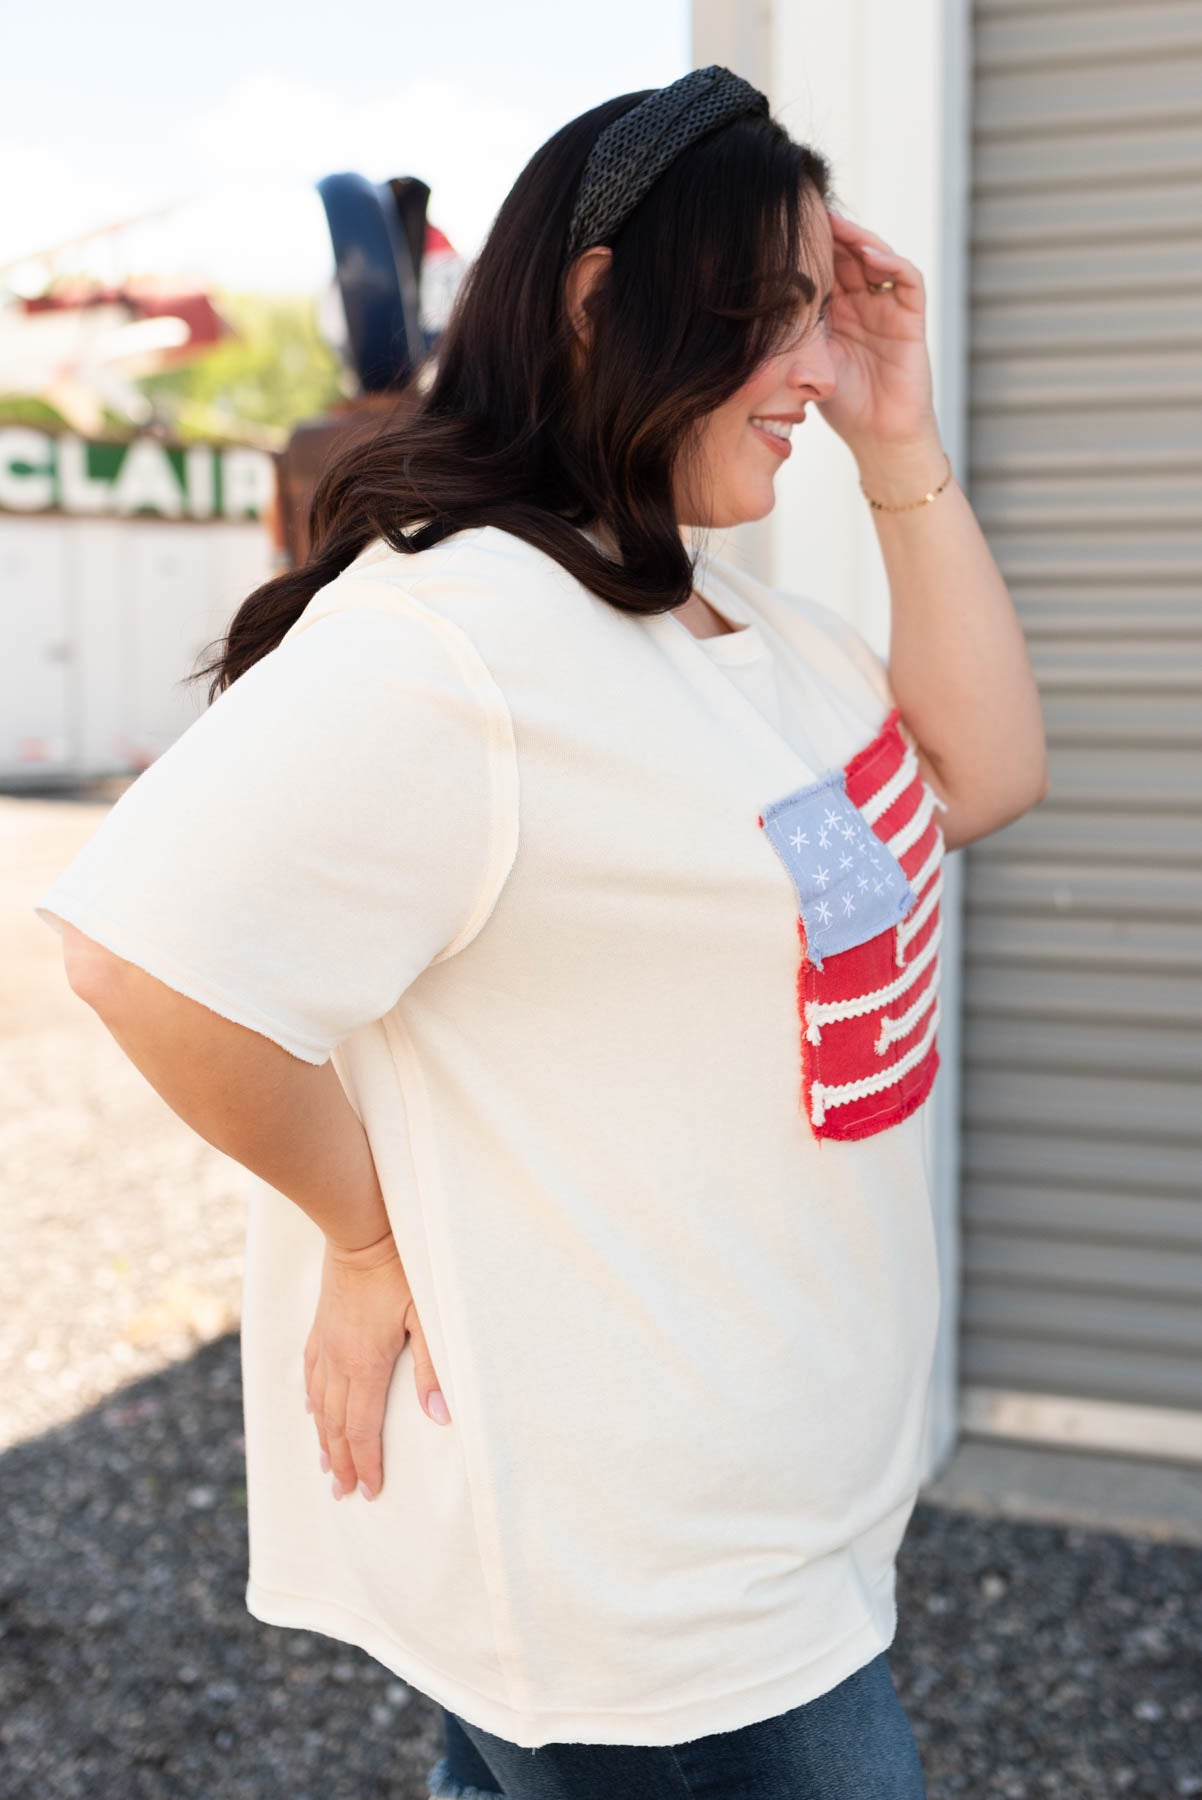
(349, 1412)
(428, 1391)
(348, 1409)
(310, 1367)
(342, 1463)
(365, 1403)
(364, 1317)
(848, 234)
(316, 1399)
(870, 256)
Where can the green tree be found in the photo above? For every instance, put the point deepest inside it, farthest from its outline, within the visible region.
(276, 370)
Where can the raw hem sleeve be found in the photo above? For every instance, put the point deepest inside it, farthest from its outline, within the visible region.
(341, 817)
(188, 982)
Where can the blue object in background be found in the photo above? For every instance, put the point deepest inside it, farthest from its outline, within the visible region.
(378, 232)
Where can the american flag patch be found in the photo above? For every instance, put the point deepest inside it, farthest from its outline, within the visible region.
(864, 852)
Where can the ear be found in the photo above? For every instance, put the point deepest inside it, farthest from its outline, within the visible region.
(586, 270)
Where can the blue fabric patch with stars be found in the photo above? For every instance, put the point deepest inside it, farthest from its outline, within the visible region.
(850, 886)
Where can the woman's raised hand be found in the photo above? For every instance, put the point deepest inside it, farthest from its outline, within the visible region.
(364, 1311)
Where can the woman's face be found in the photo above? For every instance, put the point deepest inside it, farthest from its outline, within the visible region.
(731, 478)
(730, 475)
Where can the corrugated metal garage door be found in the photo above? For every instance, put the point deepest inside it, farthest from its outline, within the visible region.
(1082, 1143)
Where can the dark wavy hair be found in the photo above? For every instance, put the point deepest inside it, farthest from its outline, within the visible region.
(512, 429)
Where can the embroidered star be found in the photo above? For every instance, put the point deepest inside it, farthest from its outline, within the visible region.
(849, 831)
(888, 881)
(823, 838)
(845, 862)
(799, 838)
(822, 876)
(879, 886)
(849, 905)
(822, 910)
(863, 881)
(832, 817)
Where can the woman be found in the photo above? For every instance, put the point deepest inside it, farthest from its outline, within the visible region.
(554, 934)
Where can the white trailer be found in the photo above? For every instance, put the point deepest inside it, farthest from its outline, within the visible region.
(119, 565)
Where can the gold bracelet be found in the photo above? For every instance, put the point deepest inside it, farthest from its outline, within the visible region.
(883, 506)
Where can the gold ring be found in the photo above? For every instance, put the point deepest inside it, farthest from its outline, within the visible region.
(879, 287)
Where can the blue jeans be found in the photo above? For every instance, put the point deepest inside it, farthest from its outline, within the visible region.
(852, 1743)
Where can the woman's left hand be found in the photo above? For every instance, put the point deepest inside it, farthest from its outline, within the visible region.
(884, 393)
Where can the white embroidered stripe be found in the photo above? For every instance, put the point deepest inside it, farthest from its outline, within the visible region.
(928, 868)
(911, 926)
(823, 1012)
(914, 826)
(900, 1025)
(893, 789)
(822, 1097)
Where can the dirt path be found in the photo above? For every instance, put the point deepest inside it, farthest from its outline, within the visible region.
(121, 1229)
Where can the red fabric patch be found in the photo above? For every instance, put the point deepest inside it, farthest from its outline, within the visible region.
(869, 1014)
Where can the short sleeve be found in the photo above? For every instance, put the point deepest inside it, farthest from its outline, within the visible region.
(342, 816)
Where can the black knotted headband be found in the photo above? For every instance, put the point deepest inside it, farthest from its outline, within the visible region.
(634, 150)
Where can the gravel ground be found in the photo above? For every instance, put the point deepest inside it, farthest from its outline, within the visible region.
(121, 1239)
(1034, 1659)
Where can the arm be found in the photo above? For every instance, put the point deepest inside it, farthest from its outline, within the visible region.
(274, 882)
(958, 663)
(288, 1121)
(291, 1123)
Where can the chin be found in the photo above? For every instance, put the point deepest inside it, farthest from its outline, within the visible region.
(756, 503)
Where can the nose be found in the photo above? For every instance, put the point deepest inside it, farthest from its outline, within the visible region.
(813, 373)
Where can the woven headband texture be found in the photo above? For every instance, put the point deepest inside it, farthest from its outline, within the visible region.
(632, 153)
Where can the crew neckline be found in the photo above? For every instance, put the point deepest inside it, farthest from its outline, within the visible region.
(699, 662)
(742, 645)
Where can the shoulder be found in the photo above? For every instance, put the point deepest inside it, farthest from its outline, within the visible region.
(372, 661)
(484, 592)
(478, 555)
(389, 610)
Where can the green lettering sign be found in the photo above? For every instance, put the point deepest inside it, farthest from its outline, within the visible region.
(46, 472)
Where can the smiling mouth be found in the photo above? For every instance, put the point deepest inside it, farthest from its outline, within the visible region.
(775, 432)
